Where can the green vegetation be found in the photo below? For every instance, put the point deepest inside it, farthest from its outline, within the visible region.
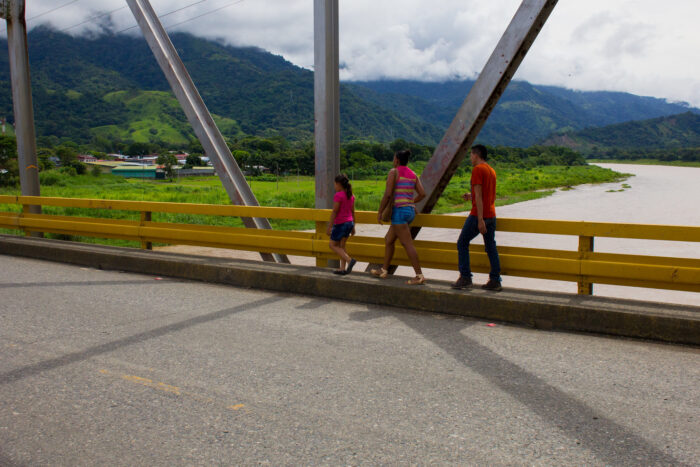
(523, 174)
(671, 132)
(9, 172)
(107, 91)
(514, 185)
(674, 139)
(526, 114)
(675, 163)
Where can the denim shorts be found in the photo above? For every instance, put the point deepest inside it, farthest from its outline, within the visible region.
(341, 231)
(403, 215)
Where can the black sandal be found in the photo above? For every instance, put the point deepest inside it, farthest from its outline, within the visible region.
(351, 264)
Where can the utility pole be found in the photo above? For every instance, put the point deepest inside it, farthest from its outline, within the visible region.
(326, 103)
(13, 12)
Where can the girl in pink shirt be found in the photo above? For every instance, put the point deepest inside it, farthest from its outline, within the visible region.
(342, 222)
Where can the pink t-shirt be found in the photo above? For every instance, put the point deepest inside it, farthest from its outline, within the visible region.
(346, 205)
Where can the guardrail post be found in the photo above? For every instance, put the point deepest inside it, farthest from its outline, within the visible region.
(320, 230)
(25, 210)
(146, 217)
(585, 247)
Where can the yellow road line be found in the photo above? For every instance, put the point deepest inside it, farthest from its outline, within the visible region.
(159, 386)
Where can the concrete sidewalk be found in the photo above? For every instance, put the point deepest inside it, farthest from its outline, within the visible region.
(658, 321)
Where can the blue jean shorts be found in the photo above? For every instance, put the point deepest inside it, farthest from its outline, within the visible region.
(341, 231)
(403, 215)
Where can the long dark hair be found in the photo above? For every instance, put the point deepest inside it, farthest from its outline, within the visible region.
(345, 183)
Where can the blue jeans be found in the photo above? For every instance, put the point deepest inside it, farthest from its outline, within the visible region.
(471, 230)
(341, 231)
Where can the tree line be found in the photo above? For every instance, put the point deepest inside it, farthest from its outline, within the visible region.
(276, 155)
(663, 155)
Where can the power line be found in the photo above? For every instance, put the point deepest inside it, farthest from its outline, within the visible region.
(131, 27)
(164, 15)
(51, 10)
(92, 18)
(204, 14)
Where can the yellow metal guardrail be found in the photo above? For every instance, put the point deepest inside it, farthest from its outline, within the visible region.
(584, 266)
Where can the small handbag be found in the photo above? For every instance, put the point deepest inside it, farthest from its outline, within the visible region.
(386, 212)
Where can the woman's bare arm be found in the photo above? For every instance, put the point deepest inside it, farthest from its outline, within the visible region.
(389, 190)
(353, 220)
(420, 190)
(334, 213)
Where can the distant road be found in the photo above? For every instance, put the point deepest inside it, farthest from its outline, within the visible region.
(107, 368)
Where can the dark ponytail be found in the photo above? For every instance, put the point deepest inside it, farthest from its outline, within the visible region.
(345, 183)
(403, 156)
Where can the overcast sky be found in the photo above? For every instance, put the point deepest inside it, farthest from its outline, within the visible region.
(646, 47)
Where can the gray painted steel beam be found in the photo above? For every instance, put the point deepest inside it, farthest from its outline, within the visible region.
(326, 103)
(326, 100)
(198, 115)
(13, 11)
(483, 97)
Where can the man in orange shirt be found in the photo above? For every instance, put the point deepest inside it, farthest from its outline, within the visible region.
(481, 219)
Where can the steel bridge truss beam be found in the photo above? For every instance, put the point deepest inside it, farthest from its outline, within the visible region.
(472, 115)
(13, 12)
(482, 98)
(198, 115)
(326, 107)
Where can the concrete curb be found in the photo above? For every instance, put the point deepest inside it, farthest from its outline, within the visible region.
(628, 318)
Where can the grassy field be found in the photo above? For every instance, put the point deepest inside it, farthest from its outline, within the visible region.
(514, 185)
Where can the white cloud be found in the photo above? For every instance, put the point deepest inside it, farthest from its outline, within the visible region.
(645, 47)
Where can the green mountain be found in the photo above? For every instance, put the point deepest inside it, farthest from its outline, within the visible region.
(109, 88)
(525, 115)
(672, 132)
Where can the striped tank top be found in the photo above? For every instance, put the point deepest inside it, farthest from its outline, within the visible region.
(405, 186)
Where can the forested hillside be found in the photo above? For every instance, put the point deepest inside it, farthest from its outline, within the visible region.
(676, 137)
(111, 86)
(526, 114)
(108, 89)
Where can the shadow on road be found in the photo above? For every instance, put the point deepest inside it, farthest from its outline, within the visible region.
(614, 444)
(12, 285)
(36, 368)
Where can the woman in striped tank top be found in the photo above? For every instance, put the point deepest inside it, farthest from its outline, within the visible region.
(401, 184)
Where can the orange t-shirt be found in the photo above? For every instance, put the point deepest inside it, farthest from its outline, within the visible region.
(485, 176)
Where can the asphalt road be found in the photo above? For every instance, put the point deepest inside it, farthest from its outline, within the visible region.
(107, 368)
